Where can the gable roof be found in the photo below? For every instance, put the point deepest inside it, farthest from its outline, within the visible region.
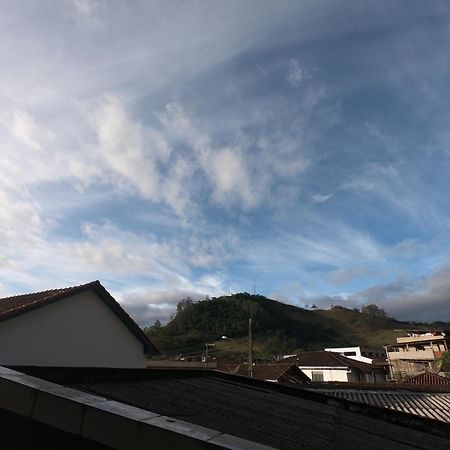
(279, 372)
(19, 304)
(330, 359)
(429, 378)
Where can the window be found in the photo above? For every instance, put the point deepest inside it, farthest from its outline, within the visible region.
(317, 376)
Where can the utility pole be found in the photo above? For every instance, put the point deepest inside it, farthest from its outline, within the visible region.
(250, 349)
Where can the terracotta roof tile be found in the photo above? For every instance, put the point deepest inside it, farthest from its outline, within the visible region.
(10, 305)
(428, 378)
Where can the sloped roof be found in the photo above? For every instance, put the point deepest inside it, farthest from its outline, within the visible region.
(273, 414)
(289, 372)
(329, 359)
(19, 304)
(429, 378)
(430, 405)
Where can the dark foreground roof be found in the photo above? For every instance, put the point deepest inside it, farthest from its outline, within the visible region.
(267, 413)
(14, 306)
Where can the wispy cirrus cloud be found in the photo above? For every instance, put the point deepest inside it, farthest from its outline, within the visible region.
(166, 147)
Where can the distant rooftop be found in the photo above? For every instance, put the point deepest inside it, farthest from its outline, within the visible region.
(429, 378)
(431, 405)
(287, 373)
(328, 359)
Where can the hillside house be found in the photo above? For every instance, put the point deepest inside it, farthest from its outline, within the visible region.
(363, 354)
(417, 352)
(81, 326)
(323, 366)
(276, 373)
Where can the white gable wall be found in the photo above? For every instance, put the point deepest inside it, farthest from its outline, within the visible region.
(329, 373)
(78, 331)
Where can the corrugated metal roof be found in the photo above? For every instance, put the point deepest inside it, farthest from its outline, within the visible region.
(424, 404)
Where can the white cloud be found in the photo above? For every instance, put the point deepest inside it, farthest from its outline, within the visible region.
(146, 305)
(321, 198)
(298, 74)
(344, 276)
(86, 8)
(224, 168)
(122, 147)
(24, 128)
(399, 186)
(227, 170)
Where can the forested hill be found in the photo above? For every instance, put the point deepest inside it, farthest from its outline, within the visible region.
(278, 327)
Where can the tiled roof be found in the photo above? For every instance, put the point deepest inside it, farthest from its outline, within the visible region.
(329, 359)
(14, 306)
(429, 378)
(430, 405)
(288, 372)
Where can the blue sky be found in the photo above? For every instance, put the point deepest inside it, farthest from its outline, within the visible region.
(175, 148)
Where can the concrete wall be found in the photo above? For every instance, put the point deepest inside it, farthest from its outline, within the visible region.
(79, 331)
(414, 355)
(358, 353)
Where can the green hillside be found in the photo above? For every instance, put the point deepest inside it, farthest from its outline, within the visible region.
(277, 327)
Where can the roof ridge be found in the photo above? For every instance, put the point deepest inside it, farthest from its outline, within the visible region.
(55, 291)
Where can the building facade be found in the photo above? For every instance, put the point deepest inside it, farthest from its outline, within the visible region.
(417, 352)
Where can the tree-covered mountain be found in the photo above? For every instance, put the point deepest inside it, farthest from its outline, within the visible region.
(277, 327)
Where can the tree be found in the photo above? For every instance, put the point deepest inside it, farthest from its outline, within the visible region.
(184, 304)
(375, 318)
(445, 362)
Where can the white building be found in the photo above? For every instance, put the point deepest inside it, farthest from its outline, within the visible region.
(363, 354)
(81, 326)
(325, 366)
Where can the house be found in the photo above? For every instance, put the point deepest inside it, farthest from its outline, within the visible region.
(363, 354)
(81, 326)
(100, 409)
(417, 352)
(324, 366)
(276, 373)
